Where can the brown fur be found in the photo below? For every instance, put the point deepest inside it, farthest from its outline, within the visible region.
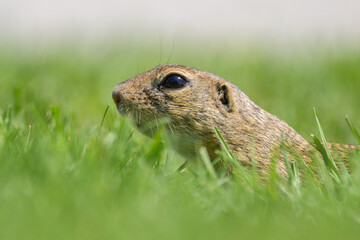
(207, 101)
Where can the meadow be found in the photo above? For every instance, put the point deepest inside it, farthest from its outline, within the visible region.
(70, 171)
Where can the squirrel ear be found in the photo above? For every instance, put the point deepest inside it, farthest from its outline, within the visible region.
(225, 96)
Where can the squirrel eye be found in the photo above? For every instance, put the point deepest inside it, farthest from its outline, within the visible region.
(173, 81)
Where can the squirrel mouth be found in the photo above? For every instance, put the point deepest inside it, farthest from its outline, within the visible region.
(122, 110)
(142, 122)
(126, 111)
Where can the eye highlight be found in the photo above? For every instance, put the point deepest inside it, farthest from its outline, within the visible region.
(173, 81)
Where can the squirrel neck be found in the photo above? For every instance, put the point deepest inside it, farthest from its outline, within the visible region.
(255, 133)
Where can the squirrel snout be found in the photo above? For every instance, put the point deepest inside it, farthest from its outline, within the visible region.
(116, 95)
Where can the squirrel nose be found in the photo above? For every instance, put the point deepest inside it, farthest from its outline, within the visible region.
(116, 95)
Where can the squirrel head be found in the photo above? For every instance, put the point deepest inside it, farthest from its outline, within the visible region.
(183, 98)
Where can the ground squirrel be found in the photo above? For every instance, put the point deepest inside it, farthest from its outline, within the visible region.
(193, 102)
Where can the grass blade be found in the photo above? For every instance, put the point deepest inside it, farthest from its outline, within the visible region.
(353, 129)
(324, 149)
(183, 166)
(28, 139)
(305, 165)
(8, 117)
(206, 160)
(103, 119)
(295, 170)
(231, 156)
(287, 163)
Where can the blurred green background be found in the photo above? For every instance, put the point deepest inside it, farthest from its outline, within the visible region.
(62, 177)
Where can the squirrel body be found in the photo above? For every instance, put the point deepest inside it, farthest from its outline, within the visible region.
(194, 101)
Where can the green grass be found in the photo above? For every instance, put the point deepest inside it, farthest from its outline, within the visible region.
(71, 168)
